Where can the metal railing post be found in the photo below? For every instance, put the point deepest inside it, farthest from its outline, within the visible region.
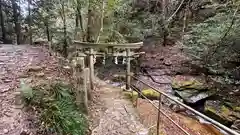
(159, 113)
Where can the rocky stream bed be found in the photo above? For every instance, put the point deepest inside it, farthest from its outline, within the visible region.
(168, 69)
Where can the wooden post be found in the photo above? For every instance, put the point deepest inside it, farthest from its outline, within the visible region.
(91, 66)
(128, 77)
(85, 88)
(78, 67)
(104, 59)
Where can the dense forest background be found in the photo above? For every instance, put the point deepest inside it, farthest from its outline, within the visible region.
(208, 29)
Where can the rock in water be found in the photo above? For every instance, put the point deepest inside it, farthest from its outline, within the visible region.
(193, 96)
(191, 89)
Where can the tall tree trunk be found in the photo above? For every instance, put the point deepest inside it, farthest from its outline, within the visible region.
(2, 23)
(101, 21)
(164, 26)
(79, 21)
(76, 35)
(30, 22)
(65, 44)
(16, 20)
(76, 21)
(90, 27)
(47, 30)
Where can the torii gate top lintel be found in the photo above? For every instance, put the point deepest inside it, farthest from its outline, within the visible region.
(107, 45)
(91, 46)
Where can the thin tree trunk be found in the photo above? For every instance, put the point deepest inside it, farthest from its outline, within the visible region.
(47, 30)
(102, 19)
(76, 21)
(184, 22)
(89, 25)
(79, 18)
(16, 20)
(65, 44)
(2, 23)
(164, 26)
(76, 27)
(30, 22)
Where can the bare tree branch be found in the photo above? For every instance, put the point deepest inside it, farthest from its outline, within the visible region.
(176, 11)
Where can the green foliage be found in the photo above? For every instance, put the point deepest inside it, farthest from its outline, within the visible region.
(26, 91)
(213, 43)
(58, 111)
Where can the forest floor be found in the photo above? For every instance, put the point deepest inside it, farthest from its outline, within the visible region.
(33, 65)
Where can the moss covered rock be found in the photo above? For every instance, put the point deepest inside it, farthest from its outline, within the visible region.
(151, 94)
(221, 112)
(191, 89)
(192, 96)
(237, 108)
(131, 94)
(184, 83)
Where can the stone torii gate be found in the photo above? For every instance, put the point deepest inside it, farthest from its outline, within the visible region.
(111, 50)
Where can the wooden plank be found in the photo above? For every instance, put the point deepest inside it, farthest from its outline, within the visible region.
(116, 54)
(106, 45)
(128, 77)
(91, 66)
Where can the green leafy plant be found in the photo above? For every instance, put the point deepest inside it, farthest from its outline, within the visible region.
(26, 90)
(57, 108)
(213, 43)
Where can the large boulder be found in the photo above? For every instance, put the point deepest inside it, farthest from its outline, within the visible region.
(191, 89)
(224, 112)
(192, 96)
(186, 82)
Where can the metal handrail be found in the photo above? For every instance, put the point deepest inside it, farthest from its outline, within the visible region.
(228, 130)
(159, 110)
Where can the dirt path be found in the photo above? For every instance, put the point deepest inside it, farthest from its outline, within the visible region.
(15, 64)
(113, 114)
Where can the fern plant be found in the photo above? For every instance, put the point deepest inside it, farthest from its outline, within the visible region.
(58, 111)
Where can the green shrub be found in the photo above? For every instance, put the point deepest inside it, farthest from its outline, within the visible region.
(57, 108)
